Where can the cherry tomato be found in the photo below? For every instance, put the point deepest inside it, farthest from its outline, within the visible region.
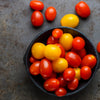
(77, 73)
(37, 18)
(78, 43)
(52, 40)
(45, 68)
(69, 74)
(89, 60)
(34, 68)
(36, 5)
(57, 33)
(72, 85)
(62, 81)
(85, 72)
(50, 13)
(98, 47)
(82, 9)
(32, 59)
(73, 59)
(62, 50)
(61, 92)
(51, 84)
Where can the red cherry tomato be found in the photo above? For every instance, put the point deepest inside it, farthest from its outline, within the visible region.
(32, 59)
(72, 85)
(45, 68)
(82, 9)
(78, 43)
(69, 74)
(61, 92)
(50, 13)
(37, 18)
(57, 33)
(62, 50)
(34, 68)
(51, 84)
(36, 5)
(85, 72)
(89, 60)
(73, 59)
(62, 81)
(52, 40)
(98, 47)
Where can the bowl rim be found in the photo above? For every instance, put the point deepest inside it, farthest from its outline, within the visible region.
(30, 45)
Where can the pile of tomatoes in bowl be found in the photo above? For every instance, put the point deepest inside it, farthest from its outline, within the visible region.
(62, 62)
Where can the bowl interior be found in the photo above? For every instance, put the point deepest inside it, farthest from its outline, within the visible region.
(42, 37)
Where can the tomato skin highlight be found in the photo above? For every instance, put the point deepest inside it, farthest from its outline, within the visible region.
(61, 92)
(36, 5)
(51, 84)
(82, 9)
(98, 47)
(45, 68)
(85, 72)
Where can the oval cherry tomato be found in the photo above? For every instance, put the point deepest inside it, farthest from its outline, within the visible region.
(50, 13)
(62, 81)
(62, 50)
(37, 18)
(57, 33)
(69, 74)
(73, 59)
(34, 68)
(36, 5)
(98, 47)
(32, 59)
(51, 84)
(52, 40)
(89, 60)
(82, 9)
(77, 73)
(61, 92)
(85, 72)
(72, 85)
(45, 68)
(78, 43)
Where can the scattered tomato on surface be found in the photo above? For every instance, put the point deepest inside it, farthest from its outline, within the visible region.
(82, 9)
(98, 47)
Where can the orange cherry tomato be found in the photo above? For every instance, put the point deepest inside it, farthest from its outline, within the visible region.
(98, 47)
(32, 59)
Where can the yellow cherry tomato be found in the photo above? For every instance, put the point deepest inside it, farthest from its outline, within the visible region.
(59, 65)
(66, 41)
(37, 50)
(52, 52)
(70, 20)
(77, 73)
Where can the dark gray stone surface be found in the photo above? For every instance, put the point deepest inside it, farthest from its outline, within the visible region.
(16, 33)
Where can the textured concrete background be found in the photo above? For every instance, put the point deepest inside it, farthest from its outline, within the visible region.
(16, 33)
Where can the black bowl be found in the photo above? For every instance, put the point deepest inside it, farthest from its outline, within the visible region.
(42, 37)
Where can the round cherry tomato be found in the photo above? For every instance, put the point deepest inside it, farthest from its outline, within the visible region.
(98, 47)
(61, 92)
(37, 18)
(62, 50)
(52, 40)
(32, 59)
(77, 73)
(82, 9)
(62, 81)
(57, 33)
(73, 59)
(45, 68)
(86, 72)
(89, 60)
(50, 13)
(34, 68)
(36, 5)
(72, 85)
(52, 52)
(78, 43)
(69, 74)
(51, 84)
